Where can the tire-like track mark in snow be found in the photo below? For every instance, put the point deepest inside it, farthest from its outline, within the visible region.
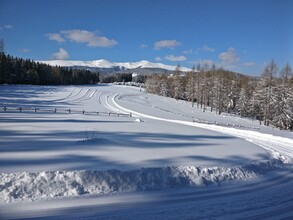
(72, 95)
(66, 97)
(111, 108)
(91, 95)
(102, 103)
(98, 97)
(81, 96)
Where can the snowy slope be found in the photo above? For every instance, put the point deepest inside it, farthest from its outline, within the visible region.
(102, 63)
(98, 154)
(97, 140)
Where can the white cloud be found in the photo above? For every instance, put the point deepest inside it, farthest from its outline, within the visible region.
(88, 37)
(229, 57)
(143, 46)
(158, 59)
(7, 26)
(62, 54)
(24, 50)
(175, 58)
(171, 44)
(249, 64)
(55, 36)
(206, 48)
(190, 51)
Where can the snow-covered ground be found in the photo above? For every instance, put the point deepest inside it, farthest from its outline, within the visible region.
(115, 152)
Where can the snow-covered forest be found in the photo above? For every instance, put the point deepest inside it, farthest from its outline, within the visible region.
(268, 98)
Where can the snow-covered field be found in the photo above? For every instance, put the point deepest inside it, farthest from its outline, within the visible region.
(115, 152)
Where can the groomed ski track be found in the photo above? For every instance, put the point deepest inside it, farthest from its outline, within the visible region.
(266, 198)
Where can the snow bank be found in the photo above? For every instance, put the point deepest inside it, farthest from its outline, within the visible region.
(52, 184)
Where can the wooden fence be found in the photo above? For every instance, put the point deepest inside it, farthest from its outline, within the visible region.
(62, 110)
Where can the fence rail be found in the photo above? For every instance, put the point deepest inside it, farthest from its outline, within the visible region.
(61, 110)
(118, 114)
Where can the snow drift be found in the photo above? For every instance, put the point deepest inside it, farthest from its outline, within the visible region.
(52, 184)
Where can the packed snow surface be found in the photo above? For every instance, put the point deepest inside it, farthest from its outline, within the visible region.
(68, 141)
(81, 128)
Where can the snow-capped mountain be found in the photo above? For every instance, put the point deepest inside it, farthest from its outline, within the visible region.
(107, 66)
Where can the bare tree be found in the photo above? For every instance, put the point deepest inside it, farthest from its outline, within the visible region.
(190, 85)
(284, 101)
(266, 91)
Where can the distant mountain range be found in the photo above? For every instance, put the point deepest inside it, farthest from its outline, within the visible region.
(105, 66)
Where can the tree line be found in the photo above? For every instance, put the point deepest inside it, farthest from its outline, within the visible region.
(24, 71)
(268, 98)
(122, 77)
(115, 77)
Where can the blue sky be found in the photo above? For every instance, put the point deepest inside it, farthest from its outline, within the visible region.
(240, 35)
